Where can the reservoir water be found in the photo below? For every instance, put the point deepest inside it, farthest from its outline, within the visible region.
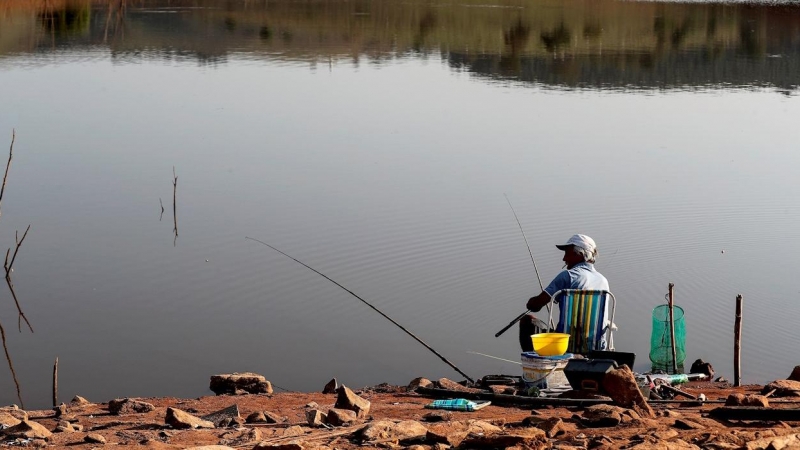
(374, 140)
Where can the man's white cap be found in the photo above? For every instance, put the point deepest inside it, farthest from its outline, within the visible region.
(579, 240)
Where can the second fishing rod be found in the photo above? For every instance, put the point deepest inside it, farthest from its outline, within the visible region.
(518, 318)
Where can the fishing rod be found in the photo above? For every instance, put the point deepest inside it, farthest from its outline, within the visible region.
(518, 318)
(368, 304)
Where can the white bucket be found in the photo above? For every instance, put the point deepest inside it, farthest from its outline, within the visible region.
(544, 372)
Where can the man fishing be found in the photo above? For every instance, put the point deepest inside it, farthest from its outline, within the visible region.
(580, 253)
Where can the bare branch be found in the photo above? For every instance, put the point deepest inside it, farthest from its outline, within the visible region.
(8, 165)
(9, 266)
(11, 366)
(174, 204)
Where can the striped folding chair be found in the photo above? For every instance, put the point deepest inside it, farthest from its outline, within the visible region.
(585, 316)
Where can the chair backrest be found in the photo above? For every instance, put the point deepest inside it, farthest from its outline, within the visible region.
(585, 316)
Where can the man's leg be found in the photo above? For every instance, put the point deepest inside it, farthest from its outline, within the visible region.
(529, 325)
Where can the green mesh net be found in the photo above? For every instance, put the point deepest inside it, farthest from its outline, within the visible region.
(660, 344)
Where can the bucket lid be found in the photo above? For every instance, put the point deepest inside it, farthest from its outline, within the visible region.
(534, 355)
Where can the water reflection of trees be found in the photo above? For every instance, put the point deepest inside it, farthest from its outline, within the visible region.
(610, 36)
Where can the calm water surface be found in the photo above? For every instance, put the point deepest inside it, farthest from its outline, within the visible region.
(374, 140)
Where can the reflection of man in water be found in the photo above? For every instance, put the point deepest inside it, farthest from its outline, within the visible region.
(580, 252)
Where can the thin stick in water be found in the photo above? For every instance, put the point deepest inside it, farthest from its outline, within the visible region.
(737, 343)
(175, 204)
(55, 383)
(370, 305)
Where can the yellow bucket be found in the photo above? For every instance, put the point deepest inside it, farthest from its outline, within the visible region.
(550, 344)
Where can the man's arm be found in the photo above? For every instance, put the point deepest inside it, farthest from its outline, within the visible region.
(536, 303)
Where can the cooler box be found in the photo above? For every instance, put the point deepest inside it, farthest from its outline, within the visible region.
(544, 372)
(588, 374)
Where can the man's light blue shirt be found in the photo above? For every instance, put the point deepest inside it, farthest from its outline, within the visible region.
(581, 276)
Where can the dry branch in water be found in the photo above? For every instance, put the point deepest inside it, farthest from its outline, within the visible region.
(9, 268)
(174, 204)
(9, 264)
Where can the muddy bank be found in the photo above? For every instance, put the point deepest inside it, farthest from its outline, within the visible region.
(388, 416)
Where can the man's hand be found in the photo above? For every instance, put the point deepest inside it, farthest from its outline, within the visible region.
(536, 303)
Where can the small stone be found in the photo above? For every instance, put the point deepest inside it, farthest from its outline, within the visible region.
(295, 430)
(721, 380)
(686, 424)
(273, 418)
(60, 410)
(341, 417)
(312, 405)
(129, 406)
(330, 388)
(602, 416)
(665, 435)
(419, 382)
(552, 427)
(315, 418)
(450, 385)
(181, 419)
(256, 417)
(700, 366)
(77, 427)
(437, 416)
(79, 401)
(95, 438)
(747, 400)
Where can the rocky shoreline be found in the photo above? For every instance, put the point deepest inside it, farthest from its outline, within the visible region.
(393, 417)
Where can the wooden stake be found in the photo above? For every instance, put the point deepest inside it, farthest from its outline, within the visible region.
(672, 328)
(737, 343)
(55, 383)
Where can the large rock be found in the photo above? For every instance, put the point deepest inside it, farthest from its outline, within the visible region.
(783, 388)
(181, 419)
(240, 383)
(129, 406)
(747, 400)
(347, 399)
(620, 384)
(27, 430)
